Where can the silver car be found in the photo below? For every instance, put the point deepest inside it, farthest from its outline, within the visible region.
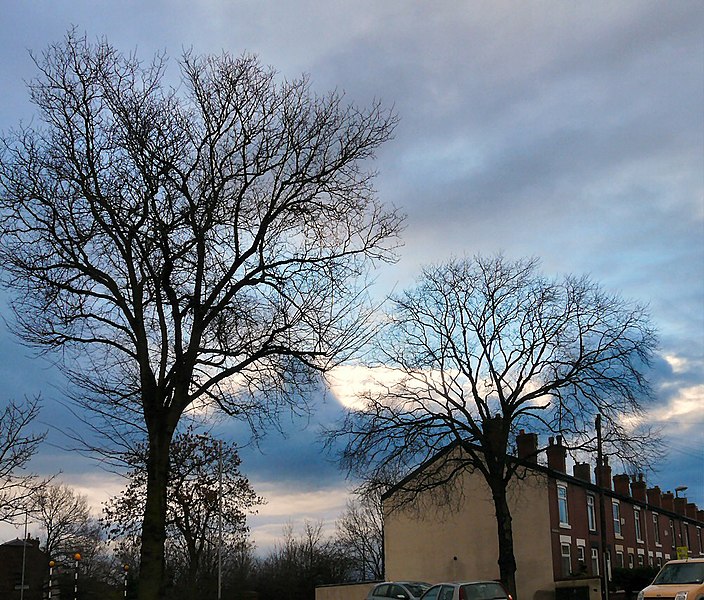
(398, 590)
(468, 590)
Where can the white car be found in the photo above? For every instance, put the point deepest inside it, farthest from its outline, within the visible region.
(468, 590)
(398, 590)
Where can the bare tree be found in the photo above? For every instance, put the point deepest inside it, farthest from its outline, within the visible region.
(200, 246)
(196, 502)
(18, 443)
(301, 562)
(482, 347)
(360, 534)
(63, 516)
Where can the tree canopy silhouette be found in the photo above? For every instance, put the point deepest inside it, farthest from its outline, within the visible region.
(481, 348)
(200, 245)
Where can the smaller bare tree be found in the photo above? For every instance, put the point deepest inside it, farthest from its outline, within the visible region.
(64, 517)
(483, 347)
(18, 443)
(360, 534)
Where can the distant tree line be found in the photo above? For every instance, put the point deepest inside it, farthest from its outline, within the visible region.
(109, 547)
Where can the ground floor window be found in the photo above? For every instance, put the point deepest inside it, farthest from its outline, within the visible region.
(595, 561)
(566, 560)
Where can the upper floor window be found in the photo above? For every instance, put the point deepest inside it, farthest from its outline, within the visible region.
(656, 526)
(591, 513)
(562, 505)
(672, 533)
(636, 520)
(616, 507)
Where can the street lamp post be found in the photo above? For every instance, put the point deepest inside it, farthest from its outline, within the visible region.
(24, 553)
(219, 519)
(77, 558)
(678, 489)
(51, 576)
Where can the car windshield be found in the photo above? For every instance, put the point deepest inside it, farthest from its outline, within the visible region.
(483, 591)
(681, 573)
(417, 589)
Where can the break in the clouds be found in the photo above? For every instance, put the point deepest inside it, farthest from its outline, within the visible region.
(569, 131)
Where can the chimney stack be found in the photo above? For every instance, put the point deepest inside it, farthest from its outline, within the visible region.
(691, 510)
(621, 484)
(638, 487)
(680, 506)
(527, 446)
(582, 471)
(654, 496)
(557, 455)
(603, 474)
(668, 501)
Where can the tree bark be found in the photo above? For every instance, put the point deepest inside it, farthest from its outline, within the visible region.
(507, 559)
(152, 584)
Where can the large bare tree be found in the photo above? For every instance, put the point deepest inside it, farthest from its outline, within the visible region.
(206, 244)
(483, 347)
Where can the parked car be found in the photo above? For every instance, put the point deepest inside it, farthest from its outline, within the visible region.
(467, 590)
(678, 580)
(398, 590)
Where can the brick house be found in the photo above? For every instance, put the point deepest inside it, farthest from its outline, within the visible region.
(36, 570)
(556, 526)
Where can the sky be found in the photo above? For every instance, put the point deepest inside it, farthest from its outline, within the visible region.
(569, 131)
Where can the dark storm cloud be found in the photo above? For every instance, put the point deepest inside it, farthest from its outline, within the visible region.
(569, 131)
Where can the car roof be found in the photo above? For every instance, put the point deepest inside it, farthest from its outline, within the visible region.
(683, 561)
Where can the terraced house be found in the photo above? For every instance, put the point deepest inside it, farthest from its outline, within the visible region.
(557, 526)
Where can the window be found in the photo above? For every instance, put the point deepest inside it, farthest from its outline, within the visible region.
(581, 560)
(619, 559)
(591, 513)
(641, 560)
(433, 592)
(636, 520)
(656, 526)
(396, 591)
(631, 561)
(595, 561)
(616, 507)
(699, 537)
(562, 505)
(672, 533)
(685, 528)
(566, 560)
(446, 593)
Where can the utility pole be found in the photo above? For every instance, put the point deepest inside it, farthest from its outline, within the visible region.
(602, 511)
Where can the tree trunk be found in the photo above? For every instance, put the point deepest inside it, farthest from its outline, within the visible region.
(152, 562)
(507, 560)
